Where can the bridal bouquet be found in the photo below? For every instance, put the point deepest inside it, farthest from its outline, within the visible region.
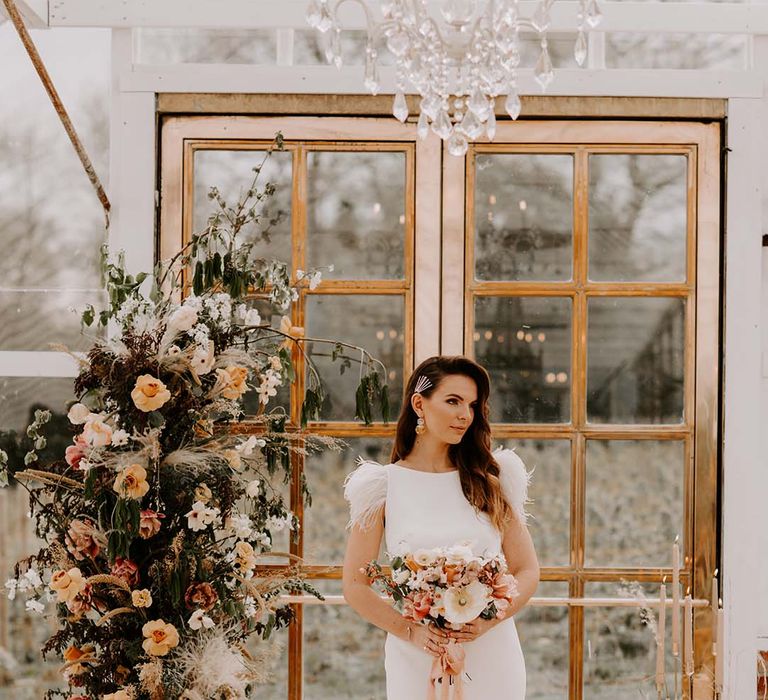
(448, 586)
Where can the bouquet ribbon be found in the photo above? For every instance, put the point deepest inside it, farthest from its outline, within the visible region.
(447, 668)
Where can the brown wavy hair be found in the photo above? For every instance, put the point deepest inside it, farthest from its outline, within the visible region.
(478, 470)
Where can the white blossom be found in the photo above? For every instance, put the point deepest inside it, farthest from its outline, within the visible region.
(35, 606)
(241, 525)
(183, 318)
(78, 413)
(246, 448)
(253, 489)
(119, 438)
(11, 584)
(201, 516)
(199, 619)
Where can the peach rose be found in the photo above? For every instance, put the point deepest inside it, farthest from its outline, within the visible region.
(504, 586)
(96, 432)
(201, 595)
(149, 525)
(67, 584)
(235, 377)
(121, 694)
(245, 557)
(84, 539)
(416, 605)
(149, 394)
(132, 482)
(141, 598)
(82, 602)
(159, 637)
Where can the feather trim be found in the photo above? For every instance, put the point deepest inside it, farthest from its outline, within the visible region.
(366, 491)
(515, 480)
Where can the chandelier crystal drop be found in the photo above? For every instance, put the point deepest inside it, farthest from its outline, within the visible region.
(457, 55)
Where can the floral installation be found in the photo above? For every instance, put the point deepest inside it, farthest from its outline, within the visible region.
(155, 519)
(449, 587)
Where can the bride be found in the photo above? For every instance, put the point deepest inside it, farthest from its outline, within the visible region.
(443, 486)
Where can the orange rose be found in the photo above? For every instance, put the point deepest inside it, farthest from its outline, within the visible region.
(150, 393)
(159, 637)
(132, 482)
(67, 584)
(235, 378)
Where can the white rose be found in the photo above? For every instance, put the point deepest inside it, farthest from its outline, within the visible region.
(78, 413)
(459, 554)
(96, 432)
(252, 317)
(183, 318)
(425, 557)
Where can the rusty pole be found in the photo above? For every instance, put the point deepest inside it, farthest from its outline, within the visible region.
(37, 62)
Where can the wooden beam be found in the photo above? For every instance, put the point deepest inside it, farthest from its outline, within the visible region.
(619, 15)
(34, 12)
(207, 78)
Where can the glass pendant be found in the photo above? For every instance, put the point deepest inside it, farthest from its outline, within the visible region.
(490, 126)
(442, 125)
(513, 105)
(580, 50)
(400, 107)
(422, 128)
(471, 125)
(543, 72)
(457, 143)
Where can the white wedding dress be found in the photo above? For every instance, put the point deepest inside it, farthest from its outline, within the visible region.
(426, 510)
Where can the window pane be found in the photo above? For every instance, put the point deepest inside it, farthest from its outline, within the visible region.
(231, 172)
(634, 501)
(356, 213)
(619, 648)
(374, 322)
(343, 654)
(525, 344)
(168, 46)
(637, 217)
(35, 318)
(635, 357)
(676, 51)
(543, 635)
(523, 216)
(325, 522)
(550, 493)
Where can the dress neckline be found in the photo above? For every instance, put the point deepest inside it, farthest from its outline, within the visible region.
(418, 471)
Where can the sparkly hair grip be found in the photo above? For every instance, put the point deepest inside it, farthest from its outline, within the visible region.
(422, 384)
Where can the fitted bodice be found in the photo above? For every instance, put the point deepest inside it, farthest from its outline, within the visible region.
(424, 510)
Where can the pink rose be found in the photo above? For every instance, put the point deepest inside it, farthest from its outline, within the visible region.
(84, 539)
(126, 570)
(150, 523)
(417, 604)
(82, 602)
(74, 453)
(504, 586)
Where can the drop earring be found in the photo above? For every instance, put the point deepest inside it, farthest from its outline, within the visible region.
(420, 427)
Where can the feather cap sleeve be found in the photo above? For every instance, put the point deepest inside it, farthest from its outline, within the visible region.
(366, 491)
(515, 480)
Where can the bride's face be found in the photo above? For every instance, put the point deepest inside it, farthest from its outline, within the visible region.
(450, 410)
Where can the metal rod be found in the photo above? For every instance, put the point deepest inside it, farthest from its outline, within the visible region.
(37, 62)
(536, 602)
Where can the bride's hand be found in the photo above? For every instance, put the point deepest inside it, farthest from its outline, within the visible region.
(428, 638)
(472, 630)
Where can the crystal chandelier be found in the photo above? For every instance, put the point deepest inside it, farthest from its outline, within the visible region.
(458, 59)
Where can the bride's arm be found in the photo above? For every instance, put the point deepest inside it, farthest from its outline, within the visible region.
(522, 562)
(362, 547)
